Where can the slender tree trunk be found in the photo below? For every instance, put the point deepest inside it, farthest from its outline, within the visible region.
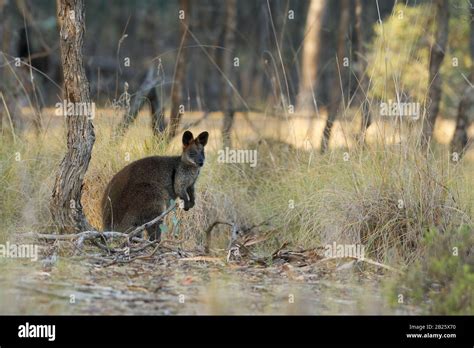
(158, 122)
(259, 84)
(34, 82)
(227, 68)
(4, 36)
(312, 46)
(5, 28)
(465, 117)
(14, 82)
(180, 72)
(363, 35)
(436, 59)
(336, 93)
(146, 90)
(211, 21)
(66, 207)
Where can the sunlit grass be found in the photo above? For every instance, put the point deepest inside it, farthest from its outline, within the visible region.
(341, 196)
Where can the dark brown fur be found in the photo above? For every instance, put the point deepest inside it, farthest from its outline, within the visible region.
(142, 190)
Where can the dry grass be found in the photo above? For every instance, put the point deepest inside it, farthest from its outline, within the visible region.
(316, 199)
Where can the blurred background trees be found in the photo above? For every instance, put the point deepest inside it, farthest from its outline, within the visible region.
(279, 55)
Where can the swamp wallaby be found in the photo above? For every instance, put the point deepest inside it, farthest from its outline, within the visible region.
(142, 190)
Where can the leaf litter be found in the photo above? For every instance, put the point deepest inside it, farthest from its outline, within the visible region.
(139, 277)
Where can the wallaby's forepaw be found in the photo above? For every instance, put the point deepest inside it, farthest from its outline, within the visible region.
(188, 205)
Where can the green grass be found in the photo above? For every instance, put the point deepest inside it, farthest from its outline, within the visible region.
(441, 281)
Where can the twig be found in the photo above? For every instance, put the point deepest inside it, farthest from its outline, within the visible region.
(9, 117)
(263, 223)
(144, 246)
(234, 227)
(196, 122)
(369, 261)
(276, 252)
(86, 235)
(116, 260)
(203, 258)
(143, 227)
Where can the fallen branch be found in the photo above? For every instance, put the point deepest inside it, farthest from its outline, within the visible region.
(235, 229)
(263, 223)
(86, 235)
(369, 261)
(203, 258)
(131, 259)
(143, 227)
(121, 254)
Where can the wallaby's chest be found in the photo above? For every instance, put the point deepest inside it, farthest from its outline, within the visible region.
(185, 177)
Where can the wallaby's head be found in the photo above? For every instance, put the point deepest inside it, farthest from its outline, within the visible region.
(193, 148)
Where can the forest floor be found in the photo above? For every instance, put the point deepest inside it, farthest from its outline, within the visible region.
(171, 283)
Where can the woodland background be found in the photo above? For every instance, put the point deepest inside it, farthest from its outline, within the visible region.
(300, 82)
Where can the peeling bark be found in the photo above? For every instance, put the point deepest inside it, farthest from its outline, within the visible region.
(66, 208)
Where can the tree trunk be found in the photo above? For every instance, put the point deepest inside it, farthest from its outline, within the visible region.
(227, 69)
(363, 36)
(460, 140)
(436, 59)
(158, 122)
(260, 84)
(5, 27)
(311, 48)
(180, 72)
(4, 47)
(146, 90)
(336, 90)
(14, 82)
(210, 22)
(66, 207)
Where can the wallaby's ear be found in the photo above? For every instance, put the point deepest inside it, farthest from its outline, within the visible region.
(202, 138)
(187, 138)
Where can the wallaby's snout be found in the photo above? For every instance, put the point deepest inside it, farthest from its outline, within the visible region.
(142, 190)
